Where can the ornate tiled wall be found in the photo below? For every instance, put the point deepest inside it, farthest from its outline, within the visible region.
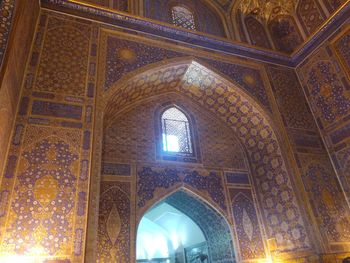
(207, 19)
(197, 81)
(248, 227)
(114, 235)
(44, 189)
(326, 82)
(132, 56)
(318, 178)
(250, 182)
(129, 141)
(135, 139)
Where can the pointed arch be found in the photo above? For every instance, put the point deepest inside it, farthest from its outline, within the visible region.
(218, 235)
(176, 131)
(257, 33)
(310, 15)
(251, 123)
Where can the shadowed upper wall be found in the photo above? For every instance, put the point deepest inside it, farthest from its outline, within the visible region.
(206, 18)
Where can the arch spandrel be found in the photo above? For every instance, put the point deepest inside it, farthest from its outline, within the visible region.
(252, 125)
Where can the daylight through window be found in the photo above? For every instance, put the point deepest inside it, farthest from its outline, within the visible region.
(176, 132)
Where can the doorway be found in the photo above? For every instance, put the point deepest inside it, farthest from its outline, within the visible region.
(183, 229)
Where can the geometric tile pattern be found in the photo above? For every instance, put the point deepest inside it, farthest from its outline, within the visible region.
(114, 222)
(247, 78)
(291, 100)
(129, 137)
(252, 128)
(123, 56)
(326, 197)
(43, 202)
(218, 235)
(325, 82)
(63, 62)
(44, 192)
(247, 225)
(150, 179)
(329, 97)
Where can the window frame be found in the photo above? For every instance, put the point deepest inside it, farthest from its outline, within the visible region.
(195, 20)
(193, 157)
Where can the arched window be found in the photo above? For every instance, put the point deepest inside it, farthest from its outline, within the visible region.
(183, 17)
(176, 133)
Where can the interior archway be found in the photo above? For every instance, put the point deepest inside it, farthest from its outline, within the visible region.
(248, 120)
(209, 242)
(244, 115)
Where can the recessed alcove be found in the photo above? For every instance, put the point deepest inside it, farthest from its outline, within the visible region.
(181, 229)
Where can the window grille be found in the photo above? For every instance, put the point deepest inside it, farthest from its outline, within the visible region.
(183, 17)
(176, 135)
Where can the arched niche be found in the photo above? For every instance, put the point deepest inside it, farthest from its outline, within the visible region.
(310, 15)
(208, 18)
(252, 125)
(238, 24)
(218, 236)
(257, 33)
